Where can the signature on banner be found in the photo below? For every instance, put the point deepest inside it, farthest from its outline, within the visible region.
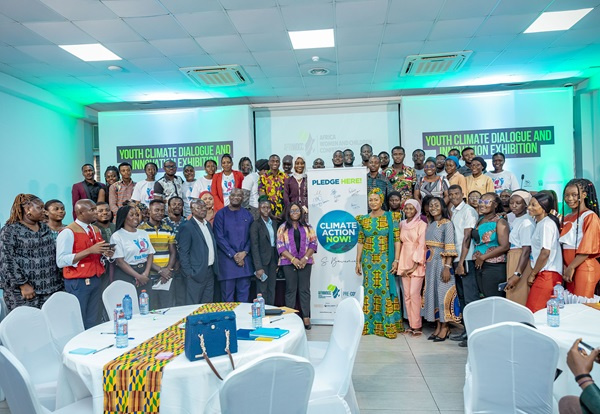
(334, 261)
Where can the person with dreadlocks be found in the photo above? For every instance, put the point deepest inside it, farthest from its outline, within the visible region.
(580, 238)
(28, 271)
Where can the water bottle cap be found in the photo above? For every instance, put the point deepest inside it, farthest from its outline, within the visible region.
(143, 290)
(126, 296)
(259, 295)
(255, 300)
(559, 283)
(553, 297)
(118, 304)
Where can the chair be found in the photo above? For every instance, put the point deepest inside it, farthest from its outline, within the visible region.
(20, 393)
(510, 369)
(63, 317)
(492, 310)
(25, 334)
(271, 384)
(333, 375)
(115, 292)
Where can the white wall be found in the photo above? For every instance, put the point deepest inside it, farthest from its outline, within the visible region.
(41, 151)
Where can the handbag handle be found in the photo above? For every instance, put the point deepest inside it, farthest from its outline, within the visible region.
(208, 361)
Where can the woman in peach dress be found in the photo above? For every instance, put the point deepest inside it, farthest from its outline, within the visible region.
(411, 263)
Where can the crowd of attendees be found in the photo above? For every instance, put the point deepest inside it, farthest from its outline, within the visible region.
(444, 227)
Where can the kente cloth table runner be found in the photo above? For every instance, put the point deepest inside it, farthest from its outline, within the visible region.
(132, 380)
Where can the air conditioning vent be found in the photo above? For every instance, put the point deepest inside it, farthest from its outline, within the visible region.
(218, 76)
(434, 64)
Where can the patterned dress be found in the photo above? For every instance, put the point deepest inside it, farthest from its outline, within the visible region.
(28, 256)
(381, 307)
(439, 296)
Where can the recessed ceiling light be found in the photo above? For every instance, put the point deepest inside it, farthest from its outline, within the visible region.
(318, 71)
(93, 52)
(115, 68)
(312, 39)
(554, 21)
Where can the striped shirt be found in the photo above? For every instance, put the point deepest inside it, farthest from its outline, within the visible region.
(161, 238)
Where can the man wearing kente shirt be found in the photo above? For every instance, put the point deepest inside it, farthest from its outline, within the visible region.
(402, 177)
(271, 185)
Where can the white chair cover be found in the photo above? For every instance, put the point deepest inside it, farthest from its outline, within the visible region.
(510, 369)
(115, 292)
(25, 333)
(271, 384)
(492, 310)
(329, 405)
(20, 393)
(333, 375)
(63, 316)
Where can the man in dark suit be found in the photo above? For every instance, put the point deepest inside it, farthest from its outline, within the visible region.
(197, 255)
(263, 241)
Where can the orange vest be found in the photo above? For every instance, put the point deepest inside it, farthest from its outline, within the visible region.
(91, 265)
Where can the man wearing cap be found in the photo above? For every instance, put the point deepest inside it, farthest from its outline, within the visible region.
(478, 181)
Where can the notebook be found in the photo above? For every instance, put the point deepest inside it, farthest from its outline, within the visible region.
(268, 333)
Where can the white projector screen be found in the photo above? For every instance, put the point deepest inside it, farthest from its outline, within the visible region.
(317, 132)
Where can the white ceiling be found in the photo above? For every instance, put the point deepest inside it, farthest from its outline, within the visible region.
(156, 37)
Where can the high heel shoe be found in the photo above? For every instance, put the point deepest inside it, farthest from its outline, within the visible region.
(440, 339)
(432, 337)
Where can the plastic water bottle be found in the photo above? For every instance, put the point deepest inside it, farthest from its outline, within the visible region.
(122, 333)
(261, 300)
(144, 303)
(559, 292)
(553, 311)
(256, 314)
(127, 307)
(119, 314)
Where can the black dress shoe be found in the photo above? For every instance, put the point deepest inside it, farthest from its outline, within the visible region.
(440, 339)
(432, 337)
(463, 344)
(459, 336)
(308, 327)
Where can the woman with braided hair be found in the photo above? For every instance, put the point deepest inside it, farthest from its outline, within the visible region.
(28, 271)
(580, 238)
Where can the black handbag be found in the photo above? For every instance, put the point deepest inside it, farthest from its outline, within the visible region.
(210, 335)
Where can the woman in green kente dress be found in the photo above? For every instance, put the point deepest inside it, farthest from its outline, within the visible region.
(377, 260)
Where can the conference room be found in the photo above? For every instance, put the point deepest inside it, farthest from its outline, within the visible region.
(108, 82)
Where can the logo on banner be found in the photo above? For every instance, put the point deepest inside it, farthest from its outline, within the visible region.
(335, 291)
(337, 231)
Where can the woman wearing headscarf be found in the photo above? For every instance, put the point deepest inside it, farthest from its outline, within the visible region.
(377, 255)
(546, 254)
(518, 267)
(580, 238)
(453, 176)
(478, 181)
(295, 186)
(411, 262)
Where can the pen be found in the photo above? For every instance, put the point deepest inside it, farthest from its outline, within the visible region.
(165, 311)
(107, 333)
(102, 349)
(275, 320)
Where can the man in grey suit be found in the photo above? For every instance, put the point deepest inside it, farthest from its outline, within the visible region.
(197, 255)
(263, 246)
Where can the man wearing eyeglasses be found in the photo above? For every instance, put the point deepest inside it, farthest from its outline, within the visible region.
(169, 185)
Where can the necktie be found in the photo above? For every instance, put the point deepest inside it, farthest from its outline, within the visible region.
(91, 234)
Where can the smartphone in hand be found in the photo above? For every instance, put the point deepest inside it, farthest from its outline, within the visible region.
(502, 286)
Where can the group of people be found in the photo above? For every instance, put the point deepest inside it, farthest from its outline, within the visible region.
(434, 231)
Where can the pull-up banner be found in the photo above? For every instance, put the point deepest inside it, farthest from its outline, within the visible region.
(189, 153)
(335, 197)
(512, 142)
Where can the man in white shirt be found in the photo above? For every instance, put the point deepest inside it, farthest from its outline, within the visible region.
(79, 249)
(464, 219)
(197, 252)
(250, 184)
(143, 192)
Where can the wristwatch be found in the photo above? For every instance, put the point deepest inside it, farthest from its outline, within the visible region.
(518, 274)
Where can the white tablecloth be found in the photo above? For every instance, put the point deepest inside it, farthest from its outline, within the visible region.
(576, 321)
(186, 386)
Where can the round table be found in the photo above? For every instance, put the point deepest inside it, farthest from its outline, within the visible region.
(186, 386)
(576, 321)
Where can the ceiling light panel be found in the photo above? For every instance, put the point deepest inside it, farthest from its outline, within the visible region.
(312, 39)
(91, 52)
(554, 21)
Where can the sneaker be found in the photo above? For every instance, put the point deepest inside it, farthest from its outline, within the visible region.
(463, 343)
